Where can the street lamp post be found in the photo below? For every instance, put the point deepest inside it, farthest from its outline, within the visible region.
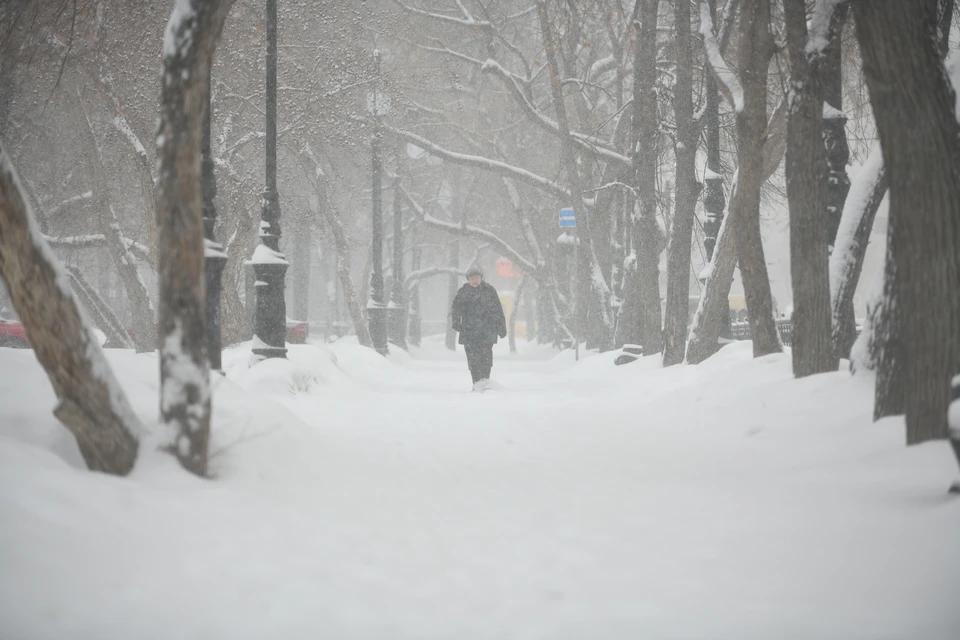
(214, 257)
(269, 265)
(378, 105)
(398, 298)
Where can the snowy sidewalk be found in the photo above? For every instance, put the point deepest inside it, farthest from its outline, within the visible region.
(360, 498)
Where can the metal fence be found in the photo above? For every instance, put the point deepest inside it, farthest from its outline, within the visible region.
(741, 331)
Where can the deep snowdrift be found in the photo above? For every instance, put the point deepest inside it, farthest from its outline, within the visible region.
(357, 497)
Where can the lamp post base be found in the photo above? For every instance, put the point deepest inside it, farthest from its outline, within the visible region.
(377, 319)
(397, 333)
(270, 325)
(215, 261)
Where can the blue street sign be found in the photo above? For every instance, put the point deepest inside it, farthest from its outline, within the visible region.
(567, 218)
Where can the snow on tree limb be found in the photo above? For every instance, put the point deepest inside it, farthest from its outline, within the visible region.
(121, 125)
(86, 195)
(725, 76)
(494, 166)
(818, 32)
(414, 277)
(590, 144)
(463, 22)
(464, 229)
(97, 241)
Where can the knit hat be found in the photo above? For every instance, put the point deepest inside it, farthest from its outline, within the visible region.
(474, 271)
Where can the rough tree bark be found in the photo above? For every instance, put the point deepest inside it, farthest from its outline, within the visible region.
(92, 404)
(756, 49)
(189, 42)
(908, 83)
(687, 192)
(806, 170)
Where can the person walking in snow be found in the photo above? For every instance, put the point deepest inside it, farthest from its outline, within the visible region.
(478, 318)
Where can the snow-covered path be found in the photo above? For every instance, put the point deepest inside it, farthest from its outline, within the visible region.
(358, 498)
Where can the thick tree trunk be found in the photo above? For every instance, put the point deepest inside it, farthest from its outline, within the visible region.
(908, 84)
(92, 404)
(713, 197)
(756, 48)
(189, 43)
(687, 192)
(806, 170)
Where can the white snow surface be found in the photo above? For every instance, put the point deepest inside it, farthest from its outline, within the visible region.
(362, 497)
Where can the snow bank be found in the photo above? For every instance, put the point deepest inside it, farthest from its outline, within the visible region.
(726, 500)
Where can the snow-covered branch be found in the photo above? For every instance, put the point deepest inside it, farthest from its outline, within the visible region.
(97, 241)
(480, 162)
(463, 22)
(464, 229)
(726, 78)
(415, 277)
(87, 195)
(590, 144)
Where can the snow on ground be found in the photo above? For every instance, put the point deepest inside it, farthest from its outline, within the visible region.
(358, 497)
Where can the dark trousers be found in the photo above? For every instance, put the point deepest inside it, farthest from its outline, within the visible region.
(479, 359)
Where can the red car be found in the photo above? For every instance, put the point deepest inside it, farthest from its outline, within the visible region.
(297, 331)
(13, 335)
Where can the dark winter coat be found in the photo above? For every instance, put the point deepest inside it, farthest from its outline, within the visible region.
(478, 315)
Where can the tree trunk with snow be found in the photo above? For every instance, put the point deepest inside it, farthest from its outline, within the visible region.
(834, 122)
(756, 49)
(908, 83)
(713, 312)
(687, 192)
(92, 404)
(850, 247)
(806, 169)
(189, 42)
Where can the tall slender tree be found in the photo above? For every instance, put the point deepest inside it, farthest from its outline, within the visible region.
(756, 49)
(806, 170)
(687, 191)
